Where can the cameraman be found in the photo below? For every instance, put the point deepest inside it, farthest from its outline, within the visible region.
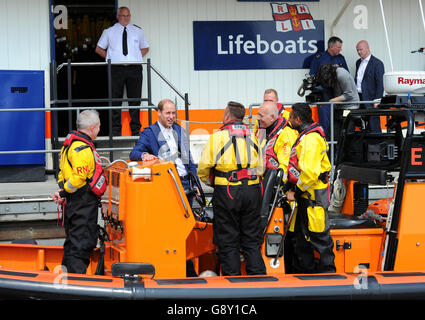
(344, 89)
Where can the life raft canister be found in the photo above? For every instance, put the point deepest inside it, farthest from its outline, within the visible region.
(98, 182)
(293, 169)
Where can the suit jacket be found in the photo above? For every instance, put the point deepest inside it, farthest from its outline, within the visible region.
(152, 141)
(373, 79)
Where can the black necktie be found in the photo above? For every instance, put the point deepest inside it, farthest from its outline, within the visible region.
(124, 42)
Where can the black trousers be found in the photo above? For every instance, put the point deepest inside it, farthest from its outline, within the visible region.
(303, 260)
(81, 230)
(237, 228)
(131, 78)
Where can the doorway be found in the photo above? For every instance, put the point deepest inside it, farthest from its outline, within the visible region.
(86, 20)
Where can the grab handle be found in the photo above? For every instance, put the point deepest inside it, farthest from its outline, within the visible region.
(180, 194)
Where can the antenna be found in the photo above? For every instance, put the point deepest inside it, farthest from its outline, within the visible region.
(386, 35)
(422, 14)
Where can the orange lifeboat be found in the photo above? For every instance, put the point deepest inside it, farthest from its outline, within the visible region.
(151, 232)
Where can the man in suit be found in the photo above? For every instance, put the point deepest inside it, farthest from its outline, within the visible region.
(166, 140)
(369, 80)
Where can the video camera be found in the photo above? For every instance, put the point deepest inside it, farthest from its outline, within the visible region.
(310, 83)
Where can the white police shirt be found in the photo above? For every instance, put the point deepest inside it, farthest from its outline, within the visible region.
(111, 40)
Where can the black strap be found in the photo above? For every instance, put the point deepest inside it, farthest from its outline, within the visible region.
(324, 177)
(223, 150)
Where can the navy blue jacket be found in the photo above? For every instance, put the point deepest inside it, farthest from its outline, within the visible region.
(152, 141)
(325, 58)
(373, 79)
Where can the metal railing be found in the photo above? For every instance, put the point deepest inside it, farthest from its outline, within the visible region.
(332, 142)
(69, 101)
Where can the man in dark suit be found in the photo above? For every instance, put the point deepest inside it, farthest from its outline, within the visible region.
(166, 140)
(369, 80)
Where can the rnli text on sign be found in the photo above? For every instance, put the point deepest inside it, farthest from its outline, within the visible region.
(230, 45)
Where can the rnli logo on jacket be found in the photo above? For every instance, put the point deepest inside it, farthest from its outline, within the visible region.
(292, 17)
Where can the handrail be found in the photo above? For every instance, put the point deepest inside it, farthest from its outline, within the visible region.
(168, 82)
(69, 101)
(88, 64)
(332, 141)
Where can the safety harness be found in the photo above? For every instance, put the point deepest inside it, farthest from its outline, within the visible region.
(237, 130)
(293, 169)
(271, 160)
(98, 182)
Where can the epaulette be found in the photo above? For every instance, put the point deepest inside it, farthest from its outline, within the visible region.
(136, 26)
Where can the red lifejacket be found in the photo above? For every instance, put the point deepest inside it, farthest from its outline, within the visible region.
(280, 108)
(271, 160)
(98, 182)
(293, 169)
(236, 130)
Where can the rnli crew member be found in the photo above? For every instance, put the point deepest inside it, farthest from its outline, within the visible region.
(275, 136)
(230, 162)
(307, 173)
(166, 140)
(270, 95)
(77, 165)
(331, 56)
(124, 42)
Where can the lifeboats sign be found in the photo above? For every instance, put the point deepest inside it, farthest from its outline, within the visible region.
(290, 41)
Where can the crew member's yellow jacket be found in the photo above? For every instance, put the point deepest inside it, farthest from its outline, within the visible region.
(81, 158)
(312, 161)
(211, 158)
(282, 147)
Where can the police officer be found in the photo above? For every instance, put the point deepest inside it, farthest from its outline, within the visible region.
(331, 56)
(78, 164)
(230, 163)
(124, 42)
(307, 173)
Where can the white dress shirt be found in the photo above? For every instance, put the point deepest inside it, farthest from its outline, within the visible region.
(360, 73)
(171, 154)
(111, 41)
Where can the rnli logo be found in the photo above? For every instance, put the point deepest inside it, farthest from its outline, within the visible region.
(292, 17)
